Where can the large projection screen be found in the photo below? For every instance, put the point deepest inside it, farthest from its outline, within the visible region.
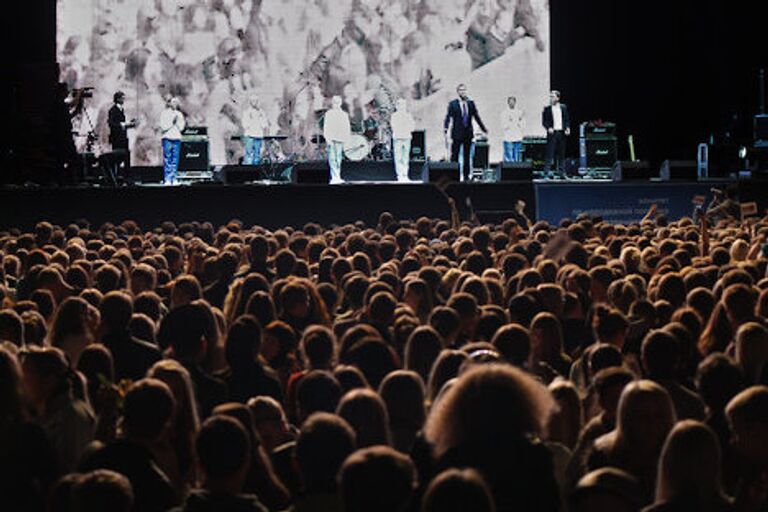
(295, 55)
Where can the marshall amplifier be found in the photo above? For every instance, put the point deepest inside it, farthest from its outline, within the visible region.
(194, 156)
(599, 129)
(194, 161)
(534, 151)
(600, 152)
(418, 145)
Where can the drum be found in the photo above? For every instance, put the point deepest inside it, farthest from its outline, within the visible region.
(356, 148)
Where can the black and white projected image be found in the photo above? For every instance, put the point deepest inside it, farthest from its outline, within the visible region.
(295, 55)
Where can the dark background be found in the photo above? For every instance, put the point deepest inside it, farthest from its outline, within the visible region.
(672, 73)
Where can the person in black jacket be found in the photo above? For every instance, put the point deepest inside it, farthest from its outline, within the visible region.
(461, 112)
(118, 127)
(132, 356)
(557, 122)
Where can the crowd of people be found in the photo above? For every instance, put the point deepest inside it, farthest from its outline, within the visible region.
(419, 365)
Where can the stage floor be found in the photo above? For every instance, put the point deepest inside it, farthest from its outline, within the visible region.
(278, 205)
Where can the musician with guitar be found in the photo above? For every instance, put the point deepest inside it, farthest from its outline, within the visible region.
(118, 128)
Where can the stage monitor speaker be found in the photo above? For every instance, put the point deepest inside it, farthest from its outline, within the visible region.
(632, 171)
(602, 152)
(314, 172)
(418, 145)
(441, 171)
(515, 171)
(761, 127)
(239, 174)
(146, 174)
(194, 156)
(480, 160)
(679, 170)
(534, 149)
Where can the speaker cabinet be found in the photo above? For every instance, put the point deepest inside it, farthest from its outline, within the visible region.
(314, 172)
(632, 171)
(515, 171)
(679, 170)
(441, 171)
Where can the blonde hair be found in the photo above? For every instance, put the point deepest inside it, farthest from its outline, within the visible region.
(488, 402)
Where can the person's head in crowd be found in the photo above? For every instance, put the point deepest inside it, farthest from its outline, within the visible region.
(261, 306)
(97, 366)
(150, 304)
(46, 303)
(747, 415)
(465, 305)
(377, 479)
(47, 375)
(608, 488)
(35, 328)
(318, 391)
(660, 355)
(644, 417)
(610, 326)
(269, 421)
(143, 279)
(75, 325)
(101, 490)
(608, 385)
(513, 342)
(224, 454)
(318, 348)
(186, 419)
(143, 327)
(243, 344)
(447, 323)
(689, 468)
(458, 490)
(418, 296)
(183, 329)
(184, 290)
(752, 351)
(12, 392)
(739, 301)
(421, 350)
(148, 410)
(446, 367)
(116, 311)
(366, 413)
(470, 409)
(403, 393)
(567, 418)
(324, 443)
(547, 340)
(279, 344)
(349, 378)
(11, 327)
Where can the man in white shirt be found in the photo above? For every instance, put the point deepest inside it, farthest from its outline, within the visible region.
(336, 131)
(402, 128)
(172, 123)
(255, 126)
(513, 126)
(556, 121)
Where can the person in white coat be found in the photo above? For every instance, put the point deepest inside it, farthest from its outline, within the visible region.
(513, 126)
(336, 131)
(402, 128)
(255, 127)
(172, 123)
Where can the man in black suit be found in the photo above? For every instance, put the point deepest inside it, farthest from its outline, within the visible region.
(558, 125)
(461, 112)
(118, 128)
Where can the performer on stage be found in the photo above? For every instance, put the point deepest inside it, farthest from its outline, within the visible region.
(402, 127)
(558, 125)
(461, 112)
(255, 127)
(513, 125)
(172, 123)
(336, 131)
(118, 128)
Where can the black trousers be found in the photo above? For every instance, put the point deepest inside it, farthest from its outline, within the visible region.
(555, 153)
(463, 146)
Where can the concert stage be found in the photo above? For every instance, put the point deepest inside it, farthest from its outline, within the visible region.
(278, 205)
